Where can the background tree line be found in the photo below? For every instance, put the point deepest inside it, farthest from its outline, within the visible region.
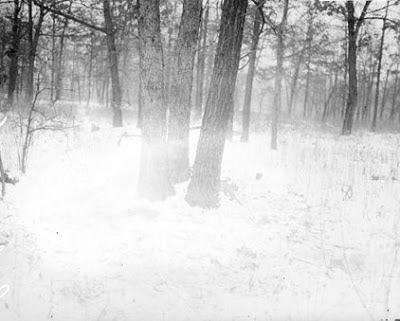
(234, 65)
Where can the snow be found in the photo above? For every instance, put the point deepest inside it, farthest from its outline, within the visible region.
(303, 233)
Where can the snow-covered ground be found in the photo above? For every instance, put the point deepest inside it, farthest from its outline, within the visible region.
(310, 232)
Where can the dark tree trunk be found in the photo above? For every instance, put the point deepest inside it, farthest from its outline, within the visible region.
(250, 76)
(181, 90)
(278, 77)
(153, 178)
(201, 64)
(353, 26)
(378, 75)
(33, 40)
(204, 187)
(113, 65)
(352, 63)
(14, 53)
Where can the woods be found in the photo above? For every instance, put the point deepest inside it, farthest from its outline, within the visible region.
(173, 65)
(199, 160)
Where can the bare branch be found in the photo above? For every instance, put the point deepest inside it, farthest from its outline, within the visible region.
(69, 16)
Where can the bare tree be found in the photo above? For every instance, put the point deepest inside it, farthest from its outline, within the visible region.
(353, 25)
(153, 179)
(250, 74)
(280, 32)
(181, 90)
(204, 186)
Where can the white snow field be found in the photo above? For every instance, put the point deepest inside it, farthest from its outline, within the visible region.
(311, 232)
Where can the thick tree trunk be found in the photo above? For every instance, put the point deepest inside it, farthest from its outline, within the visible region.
(113, 65)
(201, 64)
(250, 76)
(14, 53)
(278, 77)
(181, 90)
(204, 187)
(153, 178)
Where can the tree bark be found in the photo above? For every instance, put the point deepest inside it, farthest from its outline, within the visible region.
(113, 65)
(33, 40)
(378, 75)
(201, 64)
(204, 187)
(278, 77)
(153, 178)
(353, 26)
(250, 76)
(14, 53)
(181, 90)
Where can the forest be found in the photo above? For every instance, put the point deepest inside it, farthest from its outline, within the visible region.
(199, 160)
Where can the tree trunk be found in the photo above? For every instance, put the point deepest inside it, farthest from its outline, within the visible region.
(14, 53)
(201, 64)
(33, 40)
(181, 90)
(278, 77)
(90, 72)
(352, 63)
(59, 77)
(153, 178)
(326, 104)
(113, 65)
(383, 101)
(307, 87)
(204, 187)
(378, 75)
(353, 26)
(395, 94)
(250, 76)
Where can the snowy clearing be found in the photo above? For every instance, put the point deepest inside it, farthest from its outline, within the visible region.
(310, 232)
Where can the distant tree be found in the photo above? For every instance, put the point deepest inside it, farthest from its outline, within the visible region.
(204, 186)
(257, 23)
(280, 33)
(378, 71)
(109, 30)
(33, 40)
(154, 183)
